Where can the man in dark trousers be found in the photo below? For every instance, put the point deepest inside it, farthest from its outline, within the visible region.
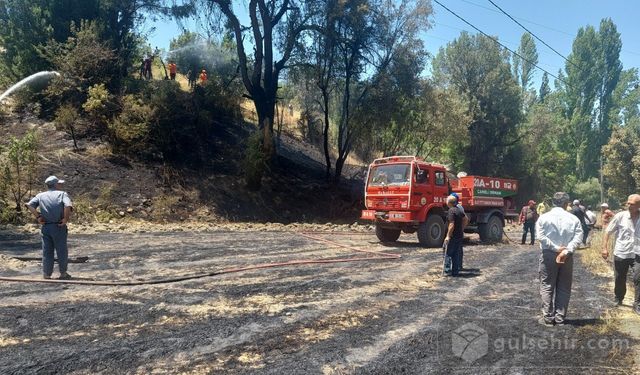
(579, 213)
(625, 226)
(528, 218)
(455, 233)
(559, 233)
(54, 213)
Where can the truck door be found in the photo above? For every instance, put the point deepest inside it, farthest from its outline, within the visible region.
(440, 186)
(421, 192)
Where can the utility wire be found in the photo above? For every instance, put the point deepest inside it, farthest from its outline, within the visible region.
(541, 25)
(520, 18)
(498, 42)
(534, 35)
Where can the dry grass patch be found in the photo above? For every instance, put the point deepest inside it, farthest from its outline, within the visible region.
(592, 259)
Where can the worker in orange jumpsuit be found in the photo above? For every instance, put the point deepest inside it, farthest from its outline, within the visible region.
(173, 69)
(203, 77)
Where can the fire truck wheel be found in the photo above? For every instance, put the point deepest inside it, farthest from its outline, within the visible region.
(492, 230)
(387, 234)
(431, 232)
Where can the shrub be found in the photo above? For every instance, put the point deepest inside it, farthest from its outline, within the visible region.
(100, 107)
(255, 161)
(129, 131)
(588, 192)
(66, 119)
(84, 60)
(18, 167)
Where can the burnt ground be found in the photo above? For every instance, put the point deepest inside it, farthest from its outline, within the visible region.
(373, 317)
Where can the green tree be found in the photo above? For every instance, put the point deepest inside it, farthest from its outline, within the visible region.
(545, 155)
(545, 90)
(18, 166)
(372, 38)
(621, 163)
(27, 25)
(609, 69)
(480, 72)
(524, 62)
(625, 109)
(592, 73)
(276, 27)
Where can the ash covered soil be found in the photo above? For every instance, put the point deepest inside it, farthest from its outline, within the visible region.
(368, 317)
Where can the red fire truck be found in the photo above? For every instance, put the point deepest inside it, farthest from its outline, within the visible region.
(407, 194)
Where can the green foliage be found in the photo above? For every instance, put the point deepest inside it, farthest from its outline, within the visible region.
(162, 122)
(84, 60)
(588, 192)
(593, 72)
(18, 166)
(129, 131)
(622, 163)
(523, 66)
(99, 107)
(66, 118)
(545, 90)
(26, 26)
(479, 70)
(255, 161)
(547, 166)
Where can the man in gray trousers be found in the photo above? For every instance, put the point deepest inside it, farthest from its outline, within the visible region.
(55, 210)
(560, 234)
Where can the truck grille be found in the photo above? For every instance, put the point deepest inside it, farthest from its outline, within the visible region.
(386, 202)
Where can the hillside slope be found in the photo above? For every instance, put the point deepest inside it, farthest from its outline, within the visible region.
(108, 187)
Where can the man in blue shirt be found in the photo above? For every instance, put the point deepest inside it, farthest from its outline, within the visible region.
(54, 213)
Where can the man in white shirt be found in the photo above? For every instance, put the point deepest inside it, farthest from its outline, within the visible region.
(560, 234)
(626, 253)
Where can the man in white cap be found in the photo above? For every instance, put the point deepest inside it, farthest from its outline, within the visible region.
(54, 213)
(606, 214)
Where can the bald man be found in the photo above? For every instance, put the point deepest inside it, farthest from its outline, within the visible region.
(626, 253)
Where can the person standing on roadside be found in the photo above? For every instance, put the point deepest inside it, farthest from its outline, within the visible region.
(55, 209)
(455, 233)
(579, 213)
(626, 253)
(528, 218)
(560, 234)
(606, 215)
(542, 208)
(459, 206)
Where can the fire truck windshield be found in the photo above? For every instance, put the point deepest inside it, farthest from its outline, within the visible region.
(392, 174)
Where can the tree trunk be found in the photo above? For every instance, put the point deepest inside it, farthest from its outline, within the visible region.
(339, 165)
(325, 133)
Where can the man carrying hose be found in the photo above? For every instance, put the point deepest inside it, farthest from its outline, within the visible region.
(54, 214)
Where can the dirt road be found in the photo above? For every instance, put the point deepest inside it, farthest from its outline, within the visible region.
(374, 317)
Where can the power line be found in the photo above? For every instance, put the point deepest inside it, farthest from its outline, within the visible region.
(541, 25)
(498, 42)
(522, 19)
(505, 41)
(534, 35)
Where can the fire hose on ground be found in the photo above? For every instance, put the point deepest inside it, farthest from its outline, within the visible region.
(310, 235)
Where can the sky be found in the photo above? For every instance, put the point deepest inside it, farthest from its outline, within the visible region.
(554, 21)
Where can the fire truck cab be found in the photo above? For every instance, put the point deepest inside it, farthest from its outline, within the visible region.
(407, 194)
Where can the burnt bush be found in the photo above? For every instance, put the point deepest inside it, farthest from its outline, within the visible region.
(164, 123)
